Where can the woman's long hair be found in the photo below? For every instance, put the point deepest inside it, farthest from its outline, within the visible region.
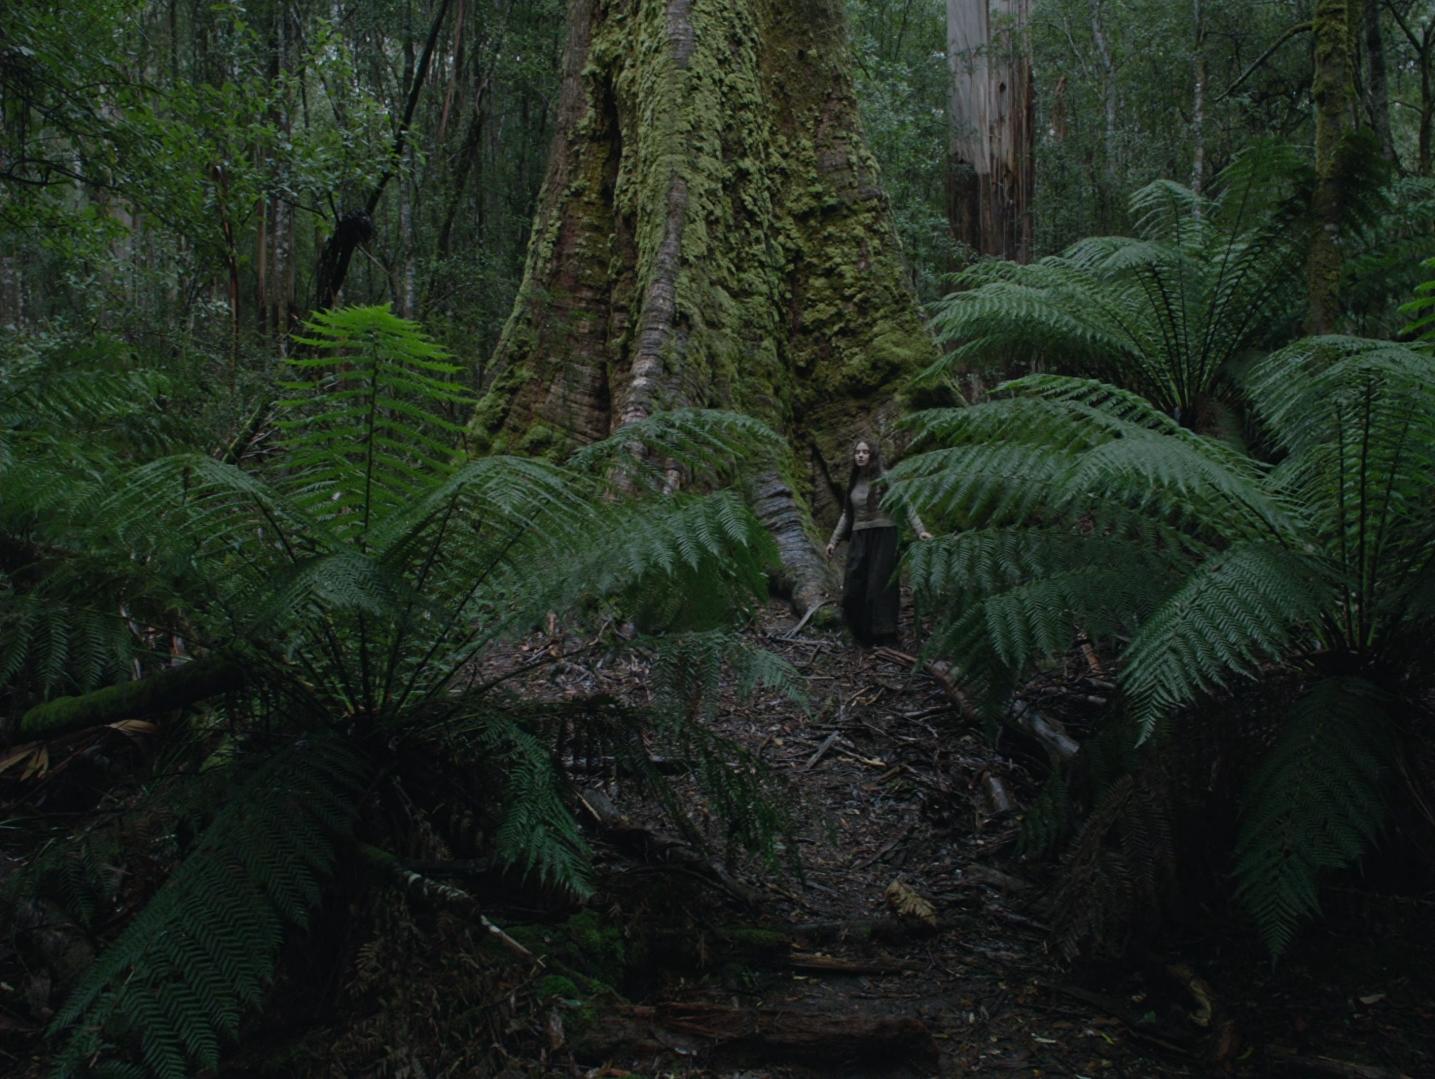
(873, 472)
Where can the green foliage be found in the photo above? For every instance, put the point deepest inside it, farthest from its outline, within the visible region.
(686, 678)
(359, 571)
(1163, 313)
(72, 414)
(536, 832)
(1078, 506)
(205, 946)
(902, 85)
(1315, 804)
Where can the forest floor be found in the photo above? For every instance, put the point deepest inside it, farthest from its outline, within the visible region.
(914, 940)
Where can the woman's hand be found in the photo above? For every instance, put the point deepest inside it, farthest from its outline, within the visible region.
(830, 548)
(924, 535)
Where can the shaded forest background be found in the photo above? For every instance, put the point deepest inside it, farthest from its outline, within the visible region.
(172, 171)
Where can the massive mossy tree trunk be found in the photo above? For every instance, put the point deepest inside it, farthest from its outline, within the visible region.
(711, 232)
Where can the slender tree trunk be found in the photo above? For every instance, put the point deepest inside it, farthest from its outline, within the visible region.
(281, 213)
(710, 232)
(1198, 100)
(408, 255)
(1427, 105)
(12, 310)
(262, 242)
(990, 172)
(1420, 44)
(1334, 92)
(1109, 129)
(357, 226)
(464, 160)
(1377, 83)
(407, 273)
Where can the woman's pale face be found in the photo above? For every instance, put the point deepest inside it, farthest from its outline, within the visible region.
(862, 455)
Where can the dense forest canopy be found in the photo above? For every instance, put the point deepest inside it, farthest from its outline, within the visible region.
(416, 416)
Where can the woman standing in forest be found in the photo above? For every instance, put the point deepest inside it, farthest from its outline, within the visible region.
(870, 596)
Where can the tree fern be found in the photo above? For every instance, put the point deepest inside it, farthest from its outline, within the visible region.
(362, 431)
(1076, 504)
(686, 679)
(71, 417)
(1164, 312)
(357, 573)
(536, 832)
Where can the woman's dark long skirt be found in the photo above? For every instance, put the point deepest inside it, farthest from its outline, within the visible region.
(870, 596)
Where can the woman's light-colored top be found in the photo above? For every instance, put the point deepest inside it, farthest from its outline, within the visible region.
(856, 510)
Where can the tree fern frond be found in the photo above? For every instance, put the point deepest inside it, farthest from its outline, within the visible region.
(1302, 391)
(365, 427)
(687, 560)
(1421, 310)
(536, 833)
(208, 505)
(1164, 313)
(698, 442)
(1243, 606)
(207, 941)
(1316, 803)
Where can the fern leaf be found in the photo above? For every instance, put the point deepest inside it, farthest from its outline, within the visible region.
(1241, 607)
(202, 948)
(1316, 803)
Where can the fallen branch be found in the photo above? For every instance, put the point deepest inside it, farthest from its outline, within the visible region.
(1342, 1069)
(734, 1036)
(1021, 717)
(830, 964)
(1160, 1034)
(656, 847)
(887, 847)
(163, 691)
(795, 630)
(997, 801)
(977, 874)
(827, 744)
(888, 930)
(387, 866)
(1048, 733)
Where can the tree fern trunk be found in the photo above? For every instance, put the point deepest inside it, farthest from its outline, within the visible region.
(710, 232)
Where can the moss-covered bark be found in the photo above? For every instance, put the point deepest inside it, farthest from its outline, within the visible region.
(711, 232)
(173, 687)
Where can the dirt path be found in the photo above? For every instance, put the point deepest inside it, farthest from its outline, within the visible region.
(889, 777)
(885, 779)
(887, 785)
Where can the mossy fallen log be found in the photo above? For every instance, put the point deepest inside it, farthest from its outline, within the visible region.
(163, 691)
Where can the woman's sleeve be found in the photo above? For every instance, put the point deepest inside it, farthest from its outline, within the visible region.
(915, 521)
(841, 529)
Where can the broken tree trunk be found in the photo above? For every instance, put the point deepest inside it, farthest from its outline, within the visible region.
(711, 233)
(991, 152)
